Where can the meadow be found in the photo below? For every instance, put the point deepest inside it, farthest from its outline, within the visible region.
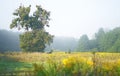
(61, 64)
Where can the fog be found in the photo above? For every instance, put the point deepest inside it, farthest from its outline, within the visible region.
(9, 41)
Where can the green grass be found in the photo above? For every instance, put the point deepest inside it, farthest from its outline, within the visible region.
(8, 63)
(15, 66)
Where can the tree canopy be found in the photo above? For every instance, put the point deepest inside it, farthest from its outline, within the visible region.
(38, 20)
(35, 37)
(103, 41)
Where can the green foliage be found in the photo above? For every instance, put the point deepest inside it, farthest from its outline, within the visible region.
(23, 20)
(100, 37)
(83, 44)
(103, 41)
(35, 38)
(39, 70)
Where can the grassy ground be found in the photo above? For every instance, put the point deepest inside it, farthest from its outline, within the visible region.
(13, 61)
(86, 63)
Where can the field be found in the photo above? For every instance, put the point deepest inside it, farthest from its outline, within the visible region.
(60, 64)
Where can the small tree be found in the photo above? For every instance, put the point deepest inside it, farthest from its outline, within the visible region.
(35, 38)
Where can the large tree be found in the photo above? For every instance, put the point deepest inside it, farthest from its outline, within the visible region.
(35, 37)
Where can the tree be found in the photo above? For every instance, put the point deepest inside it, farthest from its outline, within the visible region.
(104, 41)
(113, 40)
(35, 37)
(92, 44)
(83, 44)
(100, 37)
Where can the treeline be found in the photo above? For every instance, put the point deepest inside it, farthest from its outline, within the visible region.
(108, 41)
(9, 41)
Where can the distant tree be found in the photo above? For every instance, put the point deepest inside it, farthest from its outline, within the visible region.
(9, 41)
(100, 39)
(104, 41)
(93, 44)
(113, 40)
(35, 37)
(115, 47)
(83, 44)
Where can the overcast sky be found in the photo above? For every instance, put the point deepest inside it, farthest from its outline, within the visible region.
(69, 17)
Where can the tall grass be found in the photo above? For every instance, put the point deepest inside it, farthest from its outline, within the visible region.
(74, 64)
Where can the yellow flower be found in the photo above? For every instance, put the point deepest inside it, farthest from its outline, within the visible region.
(108, 66)
(68, 62)
(90, 63)
(65, 61)
(118, 62)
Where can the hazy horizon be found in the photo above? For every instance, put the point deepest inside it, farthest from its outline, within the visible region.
(69, 18)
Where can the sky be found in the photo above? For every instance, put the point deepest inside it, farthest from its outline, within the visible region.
(71, 18)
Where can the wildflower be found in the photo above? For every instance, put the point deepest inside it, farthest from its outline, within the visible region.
(68, 62)
(107, 66)
(118, 62)
(65, 61)
(90, 63)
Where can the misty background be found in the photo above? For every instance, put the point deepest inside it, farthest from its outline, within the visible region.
(9, 41)
(103, 41)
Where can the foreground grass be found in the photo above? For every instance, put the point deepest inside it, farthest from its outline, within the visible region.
(61, 64)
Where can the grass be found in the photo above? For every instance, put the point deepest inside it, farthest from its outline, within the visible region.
(15, 66)
(62, 64)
